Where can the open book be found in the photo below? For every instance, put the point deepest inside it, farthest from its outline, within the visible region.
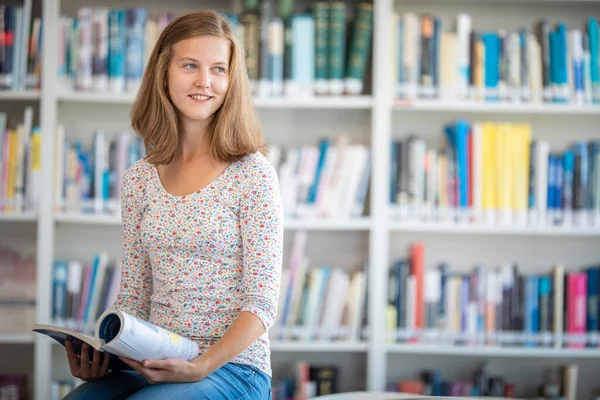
(123, 335)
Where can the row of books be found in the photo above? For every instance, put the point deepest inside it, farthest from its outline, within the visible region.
(20, 169)
(309, 382)
(560, 384)
(319, 303)
(550, 63)
(12, 386)
(495, 173)
(89, 175)
(20, 47)
(306, 53)
(17, 290)
(82, 291)
(492, 306)
(318, 51)
(329, 180)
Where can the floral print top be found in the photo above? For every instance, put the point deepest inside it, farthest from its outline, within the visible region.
(192, 263)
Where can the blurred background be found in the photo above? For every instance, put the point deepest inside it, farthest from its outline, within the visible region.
(438, 162)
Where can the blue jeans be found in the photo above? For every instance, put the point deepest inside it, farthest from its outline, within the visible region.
(230, 382)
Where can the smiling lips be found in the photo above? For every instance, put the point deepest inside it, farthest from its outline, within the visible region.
(200, 97)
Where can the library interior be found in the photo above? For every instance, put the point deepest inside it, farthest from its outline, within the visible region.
(463, 261)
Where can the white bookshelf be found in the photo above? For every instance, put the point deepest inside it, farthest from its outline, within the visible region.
(18, 217)
(16, 338)
(374, 119)
(324, 346)
(491, 351)
(496, 108)
(19, 95)
(328, 102)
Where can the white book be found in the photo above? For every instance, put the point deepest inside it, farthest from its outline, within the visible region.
(84, 77)
(463, 33)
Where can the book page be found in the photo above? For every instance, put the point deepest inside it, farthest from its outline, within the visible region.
(140, 340)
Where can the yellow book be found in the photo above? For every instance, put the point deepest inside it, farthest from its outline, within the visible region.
(489, 170)
(12, 170)
(504, 167)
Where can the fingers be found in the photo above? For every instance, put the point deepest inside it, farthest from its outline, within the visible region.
(72, 357)
(96, 360)
(84, 367)
(105, 364)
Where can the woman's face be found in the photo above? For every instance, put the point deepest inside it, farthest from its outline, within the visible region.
(198, 77)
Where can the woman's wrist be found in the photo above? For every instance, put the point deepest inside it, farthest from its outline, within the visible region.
(199, 369)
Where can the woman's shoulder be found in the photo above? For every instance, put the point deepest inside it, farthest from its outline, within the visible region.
(255, 164)
(139, 172)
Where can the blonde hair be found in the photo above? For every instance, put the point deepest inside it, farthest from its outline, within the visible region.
(235, 130)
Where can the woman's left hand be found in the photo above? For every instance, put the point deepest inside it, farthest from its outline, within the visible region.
(169, 370)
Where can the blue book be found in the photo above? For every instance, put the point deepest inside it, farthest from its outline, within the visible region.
(136, 34)
(462, 148)
(59, 291)
(491, 42)
(393, 171)
(569, 169)
(594, 36)
(562, 60)
(593, 275)
(117, 49)
(303, 51)
(324, 148)
(532, 310)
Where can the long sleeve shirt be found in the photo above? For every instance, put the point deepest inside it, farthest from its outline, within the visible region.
(192, 263)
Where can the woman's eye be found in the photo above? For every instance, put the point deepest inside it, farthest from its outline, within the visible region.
(190, 66)
(220, 69)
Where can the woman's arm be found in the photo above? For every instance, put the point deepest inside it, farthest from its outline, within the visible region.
(136, 273)
(261, 221)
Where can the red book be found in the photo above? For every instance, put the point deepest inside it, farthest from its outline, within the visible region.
(576, 306)
(417, 268)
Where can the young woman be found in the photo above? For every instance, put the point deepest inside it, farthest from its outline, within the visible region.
(202, 225)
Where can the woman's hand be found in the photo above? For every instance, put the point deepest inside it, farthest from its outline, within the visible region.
(167, 370)
(81, 366)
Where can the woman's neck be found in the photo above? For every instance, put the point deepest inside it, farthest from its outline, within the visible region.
(194, 140)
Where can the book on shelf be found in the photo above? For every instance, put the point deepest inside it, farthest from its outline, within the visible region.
(123, 335)
(20, 58)
(319, 303)
(314, 51)
(17, 290)
(81, 292)
(328, 180)
(88, 176)
(495, 174)
(557, 383)
(20, 163)
(492, 306)
(548, 63)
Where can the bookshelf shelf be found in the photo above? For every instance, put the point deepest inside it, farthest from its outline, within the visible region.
(18, 217)
(330, 102)
(359, 224)
(330, 347)
(497, 108)
(487, 351)
(339, 102)
(19, 95)
(430, 227)
(16, 338)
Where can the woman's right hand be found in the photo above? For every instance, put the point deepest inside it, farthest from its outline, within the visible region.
(84, 368)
